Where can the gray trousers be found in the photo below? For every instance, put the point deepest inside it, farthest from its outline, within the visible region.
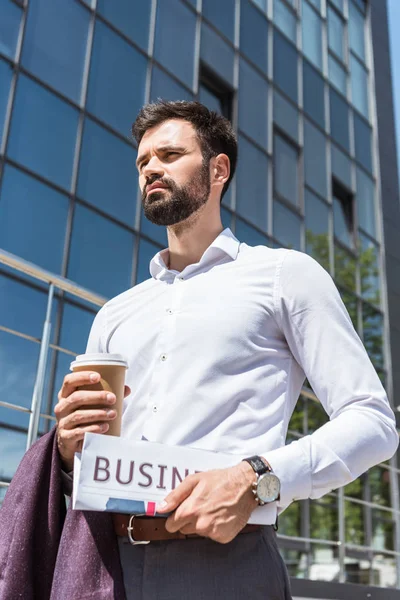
(249, 567)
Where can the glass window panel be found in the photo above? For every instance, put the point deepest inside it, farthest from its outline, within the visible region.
(312, 34)
(317, 228)
(379, 484)
(156, 232)
(210, 100)
(369, 270)
(313, 94)
(6, 73)
(40, 120)
(359, 86)
(351, 304)
(337, 75)
(9, 27)
(315, 158)
(366, 203)
(285, 66)
(217, 53)
(286, 226)
(336, 33)
(163, 86)
(345, 269)
(75, 328)
(252, 184)
(254, 34)
(40, 235)
(253, 100)
(112, 59)
(15, 296)
(226, 217)
(261, 3)
(338, 4)
(286, 178)
(107, 174)
(62, 368)
(286, 116)
(12, 449)
(382, 530)
(132, 18)
(354, 523)
(339, 119)
(356, 31)
(316, 3)
(248, 234)
(14, 418)
(373, 335)
(104, 268)
(324, 518)
(18, 365)
(222, 15)
(175, 32)
(285, 19)
(147, 251)
(341, 166)
(341, 223)
(48, 51)
(363, 142)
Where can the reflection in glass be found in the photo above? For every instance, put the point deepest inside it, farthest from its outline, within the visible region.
(339, 119)
(163, 86)
(147, 251)
(286, 182)
(216, 53)
(9, 27)
(253, 102)
(40, 120)
(254, 34)
(112, 59)
(285, 54)
(48, 51)
(313, 94)
(286, 226)
(317, 229)
(345, 268)
(175, 32)
(312, 34)
(373, 335)
(369, 269)
(359, 86)
(221, 14)
(343, 222)
(354, 523)
(6, 73)
(285, 20)
(18, 364)
(248, 234)
(286, 116)
(132, 18)
(15, 296)
(14, 418)
(104, 268)
(252, 184)
(107, 175)
(324, 518)
(336, 33)
(38, 236)
(210, 100)
(363, 142)
(315, 158)
(337, 75)
(356, 31)
(365, 199)
(12, 446)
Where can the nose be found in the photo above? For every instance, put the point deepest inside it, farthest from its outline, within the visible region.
(153, 167)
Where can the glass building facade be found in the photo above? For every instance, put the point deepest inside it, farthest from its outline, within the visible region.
(296, 78)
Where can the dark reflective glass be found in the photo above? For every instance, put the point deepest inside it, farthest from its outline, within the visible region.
(336, 33)
(373, 335)
(112, 60)
(356, 31)
(341, 223)
(285, 20)
(317, 228)
(324, 518)
(312, 34)
(248, 234)
(261, 3)
(286, 177)
(252, 184)
(338, 4)
(18, 365)
(6, 73)
(313, 94)
(40, 121)
(363, 140)
(107, 174)
(48, 51)
(9, 27)
(15, 297)
(226, 217)
(345, 269)
(354, 523)
(14, 418)
(157, 232)
(132, 18)
(253, 102)
(210, 100)
(163, 86)
(339, 119)
(286, 116)
(216, 53)
(105, 268)
(75, 327)
(359, 86)
(174, 36)
(366, 203)
(285, 66)
(286, 226)
(379, 484)
(369, 269)
(337, 74)
(341, 166)
(39, 236)
(254, 34)
(222, 15)
(351, 304)
(315, 158)
(12, 449)
(147, 251)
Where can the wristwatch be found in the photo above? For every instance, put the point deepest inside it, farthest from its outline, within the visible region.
(267, 486)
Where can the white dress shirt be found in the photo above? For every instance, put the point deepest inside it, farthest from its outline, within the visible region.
(218, 354)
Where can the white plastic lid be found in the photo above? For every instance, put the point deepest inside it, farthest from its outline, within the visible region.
(91, 360)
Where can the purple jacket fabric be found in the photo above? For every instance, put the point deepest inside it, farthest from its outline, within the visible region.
(46, 552)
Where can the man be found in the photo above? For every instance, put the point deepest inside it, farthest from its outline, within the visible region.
(219, 341)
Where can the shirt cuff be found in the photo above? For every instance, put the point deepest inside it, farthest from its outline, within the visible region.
(291, 464)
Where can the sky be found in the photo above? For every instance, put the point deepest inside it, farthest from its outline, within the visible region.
(394, 26)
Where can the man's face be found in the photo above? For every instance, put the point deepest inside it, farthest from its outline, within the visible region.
(173, 178)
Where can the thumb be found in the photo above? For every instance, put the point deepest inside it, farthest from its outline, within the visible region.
(127, 391)
(179, 494)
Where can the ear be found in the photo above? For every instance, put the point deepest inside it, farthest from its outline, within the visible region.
(220, 169)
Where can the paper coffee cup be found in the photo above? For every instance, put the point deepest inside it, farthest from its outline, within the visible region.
(112, 370)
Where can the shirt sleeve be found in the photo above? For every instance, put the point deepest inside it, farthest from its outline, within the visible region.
(361, 431)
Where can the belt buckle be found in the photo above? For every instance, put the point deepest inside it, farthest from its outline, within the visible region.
(130, 528)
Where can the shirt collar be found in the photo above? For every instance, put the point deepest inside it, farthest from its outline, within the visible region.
(224, 243)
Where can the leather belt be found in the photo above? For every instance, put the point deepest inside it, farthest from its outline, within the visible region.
(142, 530)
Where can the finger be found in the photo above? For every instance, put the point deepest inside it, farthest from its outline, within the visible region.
(74, 380)
(82, 398)
(73, 436)
(179, 494)
(127, 391)
(86, 416)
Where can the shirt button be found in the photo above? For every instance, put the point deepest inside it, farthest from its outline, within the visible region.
(163, 357)
(155, 409)
(169, 311)
(181, 278)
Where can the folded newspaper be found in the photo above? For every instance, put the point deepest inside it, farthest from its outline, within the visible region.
(119, 475)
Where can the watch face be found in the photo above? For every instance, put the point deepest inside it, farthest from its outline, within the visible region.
(268, 487)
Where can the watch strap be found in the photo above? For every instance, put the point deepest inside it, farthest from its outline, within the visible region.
(258, 465)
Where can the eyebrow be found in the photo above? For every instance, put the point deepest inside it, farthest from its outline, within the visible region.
(165, 148)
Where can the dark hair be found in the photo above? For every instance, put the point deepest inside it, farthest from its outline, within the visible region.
(214, 132)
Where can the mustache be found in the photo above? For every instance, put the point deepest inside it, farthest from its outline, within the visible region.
(165, 181)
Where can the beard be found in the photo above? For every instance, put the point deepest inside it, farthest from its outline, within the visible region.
(176, 203)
